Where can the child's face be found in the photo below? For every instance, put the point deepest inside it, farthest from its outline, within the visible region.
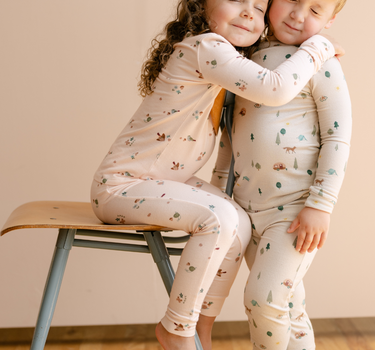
(293, 22)
(241, 22)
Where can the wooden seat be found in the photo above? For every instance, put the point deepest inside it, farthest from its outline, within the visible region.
(57, 214)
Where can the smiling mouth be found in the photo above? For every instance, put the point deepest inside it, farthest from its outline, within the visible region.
(241, 27)
(290, 27)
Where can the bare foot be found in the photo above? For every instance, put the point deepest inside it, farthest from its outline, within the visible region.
(171, 341)
(204, 330)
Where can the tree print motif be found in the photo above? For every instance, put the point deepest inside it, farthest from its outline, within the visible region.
(314, 131)
(336, 125)
(252, 137)
(258, 166)
(278, 139)
(295, 166)
(327, 74)
(283, 131)
(278, 185)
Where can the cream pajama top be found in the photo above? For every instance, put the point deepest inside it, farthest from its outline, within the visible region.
(171, 135)
(297, 150)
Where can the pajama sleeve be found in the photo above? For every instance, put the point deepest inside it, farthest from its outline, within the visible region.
(220, 173)
(221, 64)
(332, 99)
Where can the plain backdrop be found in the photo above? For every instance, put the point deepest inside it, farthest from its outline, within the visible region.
(68, 85)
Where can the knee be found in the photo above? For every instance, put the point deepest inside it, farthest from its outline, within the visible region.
(266, 301)
(234, 221)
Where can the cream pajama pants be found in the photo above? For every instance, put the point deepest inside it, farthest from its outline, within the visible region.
(274, 293)
(220, 232)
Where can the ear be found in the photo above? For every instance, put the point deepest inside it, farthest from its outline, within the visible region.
(330, 22)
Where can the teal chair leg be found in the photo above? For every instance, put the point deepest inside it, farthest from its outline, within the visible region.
(51, 290)
(160, 255)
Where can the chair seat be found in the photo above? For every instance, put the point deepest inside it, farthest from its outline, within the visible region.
(58, 214)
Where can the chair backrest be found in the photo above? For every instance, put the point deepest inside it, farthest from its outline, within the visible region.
(226, 122)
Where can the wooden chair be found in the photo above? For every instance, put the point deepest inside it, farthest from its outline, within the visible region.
(74, 219)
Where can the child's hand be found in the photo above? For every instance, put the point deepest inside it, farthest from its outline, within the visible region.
(313, 225)
(338, 48)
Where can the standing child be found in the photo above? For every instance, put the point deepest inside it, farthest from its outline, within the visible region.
(290, 162)
(148, 174)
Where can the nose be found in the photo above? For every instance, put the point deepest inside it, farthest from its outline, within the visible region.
(247, 13)
(298, 15)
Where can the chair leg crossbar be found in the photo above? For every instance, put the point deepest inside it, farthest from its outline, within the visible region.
(66, 239)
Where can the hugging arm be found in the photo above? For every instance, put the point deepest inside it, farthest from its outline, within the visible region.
(222, 65)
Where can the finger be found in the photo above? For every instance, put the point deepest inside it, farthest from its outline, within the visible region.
(301, 239)
(323, 238)
(314, 243)
(307, 243)
(293, 226)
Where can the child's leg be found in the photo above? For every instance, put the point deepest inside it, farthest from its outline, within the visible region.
(212, 221)
(300, 322)
(274, 293)
(225, 275)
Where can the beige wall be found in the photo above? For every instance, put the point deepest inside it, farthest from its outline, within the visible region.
(68, 74)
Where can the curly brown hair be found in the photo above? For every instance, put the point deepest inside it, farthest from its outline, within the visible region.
(190, 18)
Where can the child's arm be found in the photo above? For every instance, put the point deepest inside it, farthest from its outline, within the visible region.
(332, 99)
(220, 173)
(220, 64)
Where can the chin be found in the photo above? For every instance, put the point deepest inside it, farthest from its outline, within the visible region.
(288, 40)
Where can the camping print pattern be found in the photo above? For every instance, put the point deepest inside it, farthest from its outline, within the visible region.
(150, 146)
(281, 152)
(296, 132)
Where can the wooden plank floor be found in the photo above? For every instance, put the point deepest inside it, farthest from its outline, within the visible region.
(330, 334)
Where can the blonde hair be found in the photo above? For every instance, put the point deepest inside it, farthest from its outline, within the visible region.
(340, 4)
